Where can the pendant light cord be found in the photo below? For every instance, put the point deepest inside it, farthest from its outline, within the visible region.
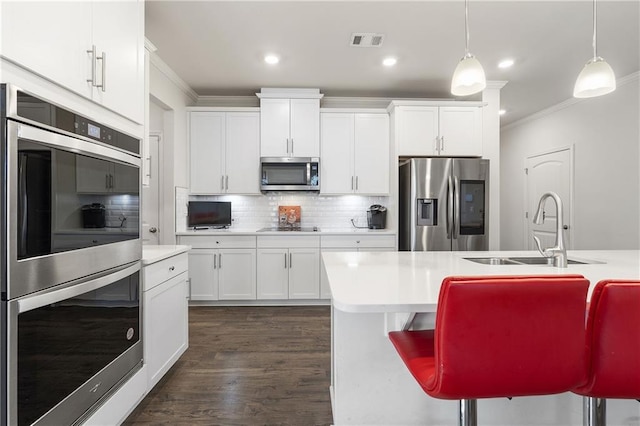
(466, 27)
(595, 55)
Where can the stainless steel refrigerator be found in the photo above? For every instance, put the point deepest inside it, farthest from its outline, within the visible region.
(443, 204)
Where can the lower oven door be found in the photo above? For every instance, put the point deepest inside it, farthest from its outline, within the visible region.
(71, 346)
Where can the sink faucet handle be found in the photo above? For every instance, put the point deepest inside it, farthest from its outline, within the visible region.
(539, 246)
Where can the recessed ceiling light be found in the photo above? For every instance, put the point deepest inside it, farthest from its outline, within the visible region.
(271, 59)
(502, 112)
(389, 62)
(506, 63)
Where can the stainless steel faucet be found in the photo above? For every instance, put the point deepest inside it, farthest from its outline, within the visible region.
(559, 251)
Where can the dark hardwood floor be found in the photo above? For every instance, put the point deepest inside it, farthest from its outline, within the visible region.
(247, 366)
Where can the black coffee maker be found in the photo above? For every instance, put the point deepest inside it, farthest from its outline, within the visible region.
(377, 216)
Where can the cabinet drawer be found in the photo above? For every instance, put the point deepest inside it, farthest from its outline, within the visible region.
(161, 271)
(357, 241)
(294, 241)
(219, 241)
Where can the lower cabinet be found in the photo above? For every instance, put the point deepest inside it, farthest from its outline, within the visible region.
(223, 274)
(288, 267)
(165, 315)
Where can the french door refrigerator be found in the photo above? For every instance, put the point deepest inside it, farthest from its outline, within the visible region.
(443, 204)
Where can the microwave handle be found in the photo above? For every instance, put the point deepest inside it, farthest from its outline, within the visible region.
(23, 201)
(308, 172)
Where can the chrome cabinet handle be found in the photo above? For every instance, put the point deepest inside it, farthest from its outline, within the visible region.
(285, 261)
(221, 183)
(356, 183)
(106, 181)
(149, 167)
(292, 145)
(290, 260)
(352, 183)
(103, 58)
(226, 185)
(220, 261)
(111, 181)
(441, 143)
(215, 263)
(92, 52)
(436, 144)
(287, 145)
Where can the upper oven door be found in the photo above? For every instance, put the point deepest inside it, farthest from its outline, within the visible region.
(73, 208)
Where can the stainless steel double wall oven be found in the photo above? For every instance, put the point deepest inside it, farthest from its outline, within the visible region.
(71, 318)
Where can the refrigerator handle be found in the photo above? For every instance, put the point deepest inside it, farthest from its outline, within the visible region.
(449, 208)
(22, 200)
(456, 207)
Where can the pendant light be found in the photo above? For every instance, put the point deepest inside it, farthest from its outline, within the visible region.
(468, 78)
(597, 77)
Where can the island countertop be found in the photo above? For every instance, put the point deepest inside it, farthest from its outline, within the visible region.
(410, 281)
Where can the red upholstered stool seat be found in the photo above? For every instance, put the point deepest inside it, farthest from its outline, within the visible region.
(500, 337)
(613, 347)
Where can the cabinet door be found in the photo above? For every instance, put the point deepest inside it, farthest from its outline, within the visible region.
(305, 127)
(337, 135)
(166, 326)
(126, 179)
(237, 274)
(417, 130)
(92, 175)
(371, 152)
(242, 146)
(273, 278)
(206, 142)
(304, 273)
(461, 131)
(274, 128)
(50, 39)
(203, 274)
(123, 65)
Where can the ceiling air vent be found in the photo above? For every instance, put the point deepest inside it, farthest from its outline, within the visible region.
(366, 40)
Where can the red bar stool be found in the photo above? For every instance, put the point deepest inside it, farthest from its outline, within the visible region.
(500, 337)
(613, 347)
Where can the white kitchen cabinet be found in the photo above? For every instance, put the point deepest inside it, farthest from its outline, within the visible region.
(289, 127)
(355, 243)
(95, 176)
(166, 315)
(288, 267)
(222, 267)
(225, 152)
(56, 40)
(438, 130)
(355, 153)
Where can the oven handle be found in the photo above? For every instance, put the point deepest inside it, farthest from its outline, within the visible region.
(74, 288)
(22, 199)
(70, 144)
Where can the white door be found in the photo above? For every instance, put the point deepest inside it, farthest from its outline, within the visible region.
(237, 274)
(371, 153)
(273, 278)
(242, 147)
(460, 131)
(304, 273)
(206, 147)
(336, 176)
(417, 130)
(150, 194)
(274, 128)
(548, 172)
(203, 274)
(305, 127)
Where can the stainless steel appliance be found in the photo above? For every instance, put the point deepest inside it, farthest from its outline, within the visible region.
(289, 174)
(69, 309)
(443, 204)
(377, 217)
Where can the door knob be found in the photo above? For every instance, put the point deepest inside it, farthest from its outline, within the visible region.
(153, 229)
(565, 227)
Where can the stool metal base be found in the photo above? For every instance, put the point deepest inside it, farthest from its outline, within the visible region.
(468, 414)
(594, 411)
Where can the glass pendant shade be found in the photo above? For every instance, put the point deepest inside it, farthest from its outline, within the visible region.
(468, 78)
(595, 79)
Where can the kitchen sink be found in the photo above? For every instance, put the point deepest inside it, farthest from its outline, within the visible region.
(517, 260)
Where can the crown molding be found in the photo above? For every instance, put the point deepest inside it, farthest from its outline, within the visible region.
(155, 60)
(227, 101)
(567, 103)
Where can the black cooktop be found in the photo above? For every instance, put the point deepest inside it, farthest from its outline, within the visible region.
(290, 229)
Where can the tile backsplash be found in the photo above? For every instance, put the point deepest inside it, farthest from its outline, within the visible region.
(316, 210)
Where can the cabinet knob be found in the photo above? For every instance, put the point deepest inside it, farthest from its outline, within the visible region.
(153, 229)
(172, 268)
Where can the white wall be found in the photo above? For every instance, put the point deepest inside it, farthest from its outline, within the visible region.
(605, 134)
(171, 95)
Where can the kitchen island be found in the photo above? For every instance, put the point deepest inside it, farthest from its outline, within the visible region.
(374, 293)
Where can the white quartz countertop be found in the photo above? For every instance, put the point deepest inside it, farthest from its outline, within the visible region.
(410, 281)
(254, 231)
(153, 254)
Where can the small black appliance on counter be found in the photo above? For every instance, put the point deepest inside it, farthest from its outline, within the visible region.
(377, 216)
(94, 216)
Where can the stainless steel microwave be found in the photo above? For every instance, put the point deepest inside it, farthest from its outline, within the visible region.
(289, 174)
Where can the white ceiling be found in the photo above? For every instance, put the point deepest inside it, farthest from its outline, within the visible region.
(217, 47)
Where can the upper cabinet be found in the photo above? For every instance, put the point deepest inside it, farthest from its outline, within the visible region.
(289, 122)
(224, 151)
(431, 130)
(355, 153)
(75, 45)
